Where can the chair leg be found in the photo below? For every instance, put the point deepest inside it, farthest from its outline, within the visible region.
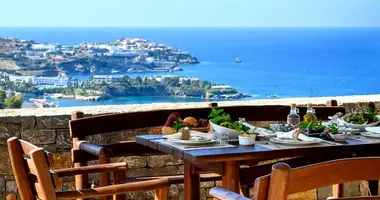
(162, 194)
(104, 177)
(81, 181)
(119, 178)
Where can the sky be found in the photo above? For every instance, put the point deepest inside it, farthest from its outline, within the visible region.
(189, 13)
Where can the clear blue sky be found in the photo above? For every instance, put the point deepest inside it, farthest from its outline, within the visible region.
(199, 13)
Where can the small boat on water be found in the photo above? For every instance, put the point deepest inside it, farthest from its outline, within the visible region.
(273, 96)
(43, 103)
(237, 60)
(114, 71)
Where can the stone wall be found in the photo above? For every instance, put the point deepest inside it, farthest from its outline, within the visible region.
(52, 133)
(49, 129)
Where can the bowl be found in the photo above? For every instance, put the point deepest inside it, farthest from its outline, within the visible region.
(340, 137)
(232, 134)
(247, 140)
(361, 127)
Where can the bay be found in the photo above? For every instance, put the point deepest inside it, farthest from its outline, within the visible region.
(289, 62)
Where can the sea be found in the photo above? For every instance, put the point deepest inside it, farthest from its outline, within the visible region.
(288, 62)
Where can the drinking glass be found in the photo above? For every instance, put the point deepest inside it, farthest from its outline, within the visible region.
(223, 138)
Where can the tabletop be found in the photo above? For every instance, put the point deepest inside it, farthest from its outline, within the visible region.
(260, 151)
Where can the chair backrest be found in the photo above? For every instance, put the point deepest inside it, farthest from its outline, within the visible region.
(84, 126)
(284, 181)
(31, 168)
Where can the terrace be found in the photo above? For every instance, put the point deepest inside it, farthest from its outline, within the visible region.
(49, 128)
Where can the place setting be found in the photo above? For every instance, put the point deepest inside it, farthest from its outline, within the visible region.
(191, 133)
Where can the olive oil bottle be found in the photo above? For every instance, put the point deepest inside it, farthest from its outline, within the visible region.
(310, 114)
(293, 117)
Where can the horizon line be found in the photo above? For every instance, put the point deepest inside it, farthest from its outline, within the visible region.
(361, 26)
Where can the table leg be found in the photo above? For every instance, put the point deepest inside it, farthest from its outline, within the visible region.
(231, 176)
(192, 186)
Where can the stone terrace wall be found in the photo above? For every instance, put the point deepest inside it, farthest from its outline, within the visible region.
(48, 128)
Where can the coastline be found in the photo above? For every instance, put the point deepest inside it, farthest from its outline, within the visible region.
(102, 109)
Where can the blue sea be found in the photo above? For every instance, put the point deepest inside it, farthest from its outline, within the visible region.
(288, 62)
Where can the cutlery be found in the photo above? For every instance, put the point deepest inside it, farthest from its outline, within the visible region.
(273, 144)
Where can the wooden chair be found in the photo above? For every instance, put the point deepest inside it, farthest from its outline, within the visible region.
(284, 180)
(81, 126)
(35, 179)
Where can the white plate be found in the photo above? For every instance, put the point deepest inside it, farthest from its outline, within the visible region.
(293, 142)
(375, 130)
(191, 141)
(368, 134)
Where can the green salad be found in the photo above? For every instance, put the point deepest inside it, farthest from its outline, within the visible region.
(367, 116)
(219, 117)
(314, 126)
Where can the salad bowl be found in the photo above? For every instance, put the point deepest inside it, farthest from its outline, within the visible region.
(232, 134)
(361, 127)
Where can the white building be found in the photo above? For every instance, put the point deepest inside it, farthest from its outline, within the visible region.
(220, 87)
(51, 82)
(51, 47)
(106, 79)
(19, 79)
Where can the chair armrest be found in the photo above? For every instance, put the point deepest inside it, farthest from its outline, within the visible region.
(223, 194)
(114, 189)
(94, 149)
(91, 169)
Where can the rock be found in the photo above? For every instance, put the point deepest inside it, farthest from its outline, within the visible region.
(173, 191)
(38, 137)
(162, 171)
(11, 186)
(132, 161)
(181, 169)
(219, 183)
(5, 163)
(52, 148)
(64, 140)
(161, 161)
(62, 160)
(28, 122)
(2, 184)
(141, 195)
(203, 194)
(99, 138)
(11, 197)
(7, 131)
(10, 119)
(208, 184)
(46, 122)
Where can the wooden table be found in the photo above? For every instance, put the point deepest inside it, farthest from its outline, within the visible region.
(226, 161)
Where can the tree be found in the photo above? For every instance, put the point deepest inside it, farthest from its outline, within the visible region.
(2, 99)
(14, 101)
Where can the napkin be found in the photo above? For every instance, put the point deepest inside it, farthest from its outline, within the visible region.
(260, 131)
(206, 136)
(289, 135)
